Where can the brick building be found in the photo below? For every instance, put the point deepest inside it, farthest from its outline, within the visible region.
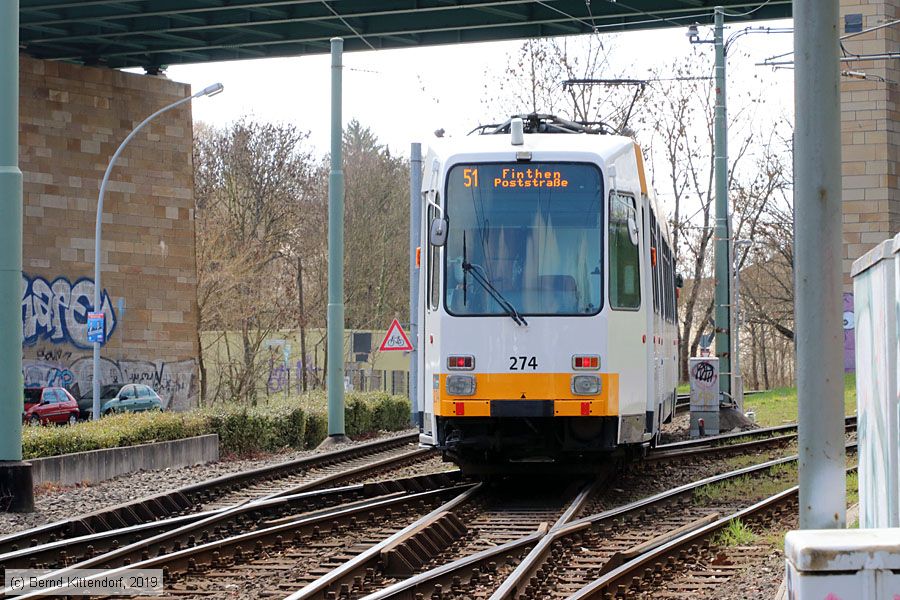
(72, 118)
(870, 130)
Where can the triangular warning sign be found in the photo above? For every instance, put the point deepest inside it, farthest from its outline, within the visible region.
(396, 338)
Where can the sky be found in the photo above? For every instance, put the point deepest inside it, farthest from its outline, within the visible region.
(405, 95)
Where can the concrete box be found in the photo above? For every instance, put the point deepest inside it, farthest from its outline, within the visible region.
(704, 380)
(878, 407)
(843, 564)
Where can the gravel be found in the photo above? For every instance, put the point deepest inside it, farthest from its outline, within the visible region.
(679, 428)
(762, 579)
(55, 503)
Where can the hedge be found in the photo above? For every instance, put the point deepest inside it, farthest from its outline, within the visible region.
(281, 423)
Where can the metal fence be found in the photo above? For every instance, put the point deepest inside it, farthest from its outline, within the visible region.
(373, 380)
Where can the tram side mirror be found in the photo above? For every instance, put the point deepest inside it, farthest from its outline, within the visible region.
(633, 227)
(679, 280)
(438, 233)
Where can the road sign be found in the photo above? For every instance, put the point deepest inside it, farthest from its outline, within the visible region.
(396, 338)
(95, 328)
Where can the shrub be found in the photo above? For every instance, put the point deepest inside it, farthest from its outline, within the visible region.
(110, 432)
(298, 423)
(316, 429)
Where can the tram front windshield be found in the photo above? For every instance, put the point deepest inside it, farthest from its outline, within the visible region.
(533, 231)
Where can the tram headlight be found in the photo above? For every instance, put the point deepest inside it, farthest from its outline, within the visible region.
(460, 385)
(586, 385)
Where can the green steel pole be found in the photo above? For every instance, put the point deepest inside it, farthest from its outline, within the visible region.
(11, 398)
(336, 253)
(818, 281)
(723, 241)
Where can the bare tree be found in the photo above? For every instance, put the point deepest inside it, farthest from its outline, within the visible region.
(539, 79)
(250, 179)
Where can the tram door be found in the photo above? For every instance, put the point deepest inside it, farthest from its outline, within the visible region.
(431, 300)
(658, 349)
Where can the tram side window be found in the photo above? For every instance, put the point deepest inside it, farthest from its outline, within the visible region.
(624, 253)
(670, 282)
(667, 282)
(654, 275)
(434, 266)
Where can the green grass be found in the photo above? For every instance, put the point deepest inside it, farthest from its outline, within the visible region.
(852, 488)
(774, 538)
(780, 477)
(779, 406)
(736, 534)
(684, 388)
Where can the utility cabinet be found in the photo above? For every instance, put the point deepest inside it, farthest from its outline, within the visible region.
(876, 276)
(843, 564)
(704, 380)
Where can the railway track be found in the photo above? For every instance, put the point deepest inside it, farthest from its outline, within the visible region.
(119, 547)
(299, 534)
(738, 442)
(683, 401)
(180, 507)
(550, 561)
(690, 564)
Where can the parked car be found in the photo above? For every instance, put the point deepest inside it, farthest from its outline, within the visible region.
(49, 405)
(121, 397)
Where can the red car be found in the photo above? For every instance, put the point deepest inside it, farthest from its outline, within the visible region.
(49, 405)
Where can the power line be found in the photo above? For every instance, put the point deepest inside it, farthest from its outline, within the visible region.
(656, 16)
(349, 26)
(749, 12)
(565, 14)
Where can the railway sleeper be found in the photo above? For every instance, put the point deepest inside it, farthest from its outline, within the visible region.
(409, 555)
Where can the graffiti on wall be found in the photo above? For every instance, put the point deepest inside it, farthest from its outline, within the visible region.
(57, 311)
(849, 334)
(175, 382)
(283, 375)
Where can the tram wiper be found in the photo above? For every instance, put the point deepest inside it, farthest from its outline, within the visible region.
(495, 293)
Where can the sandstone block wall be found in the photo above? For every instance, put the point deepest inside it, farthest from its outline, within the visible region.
(870, 126)
(72, 118)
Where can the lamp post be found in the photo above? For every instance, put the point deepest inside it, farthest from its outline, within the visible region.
(211, 90)
(335, 322)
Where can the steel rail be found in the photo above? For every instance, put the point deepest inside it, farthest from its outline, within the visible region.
(624, 574)
(600, 586)
(540, 543)
(150, 536)
(185, 560)
(184, 499)
(220, 518)
(850, 423)
(486, 559)
(719, 448)
(373, 554)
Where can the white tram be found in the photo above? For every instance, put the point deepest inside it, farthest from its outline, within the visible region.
(547, 297)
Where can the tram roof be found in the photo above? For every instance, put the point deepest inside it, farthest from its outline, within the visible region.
(157, 33)
(604, 146)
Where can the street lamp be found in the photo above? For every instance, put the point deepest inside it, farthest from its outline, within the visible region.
(211, 90)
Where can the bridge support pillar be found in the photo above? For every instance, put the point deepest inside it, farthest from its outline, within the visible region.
(15, 476)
